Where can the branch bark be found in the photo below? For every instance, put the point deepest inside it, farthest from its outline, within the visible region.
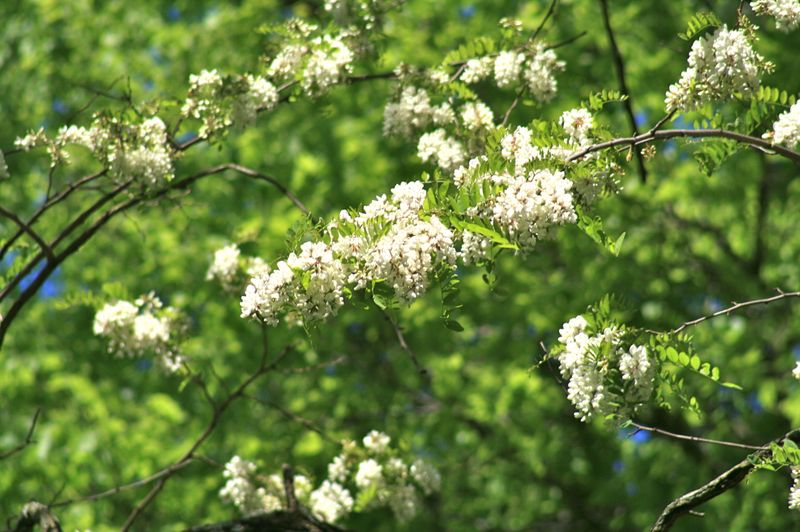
(716, 487)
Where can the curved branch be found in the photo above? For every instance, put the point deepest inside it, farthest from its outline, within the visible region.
(733, 308)
(665, 134)
(724, 482)
(26, 228)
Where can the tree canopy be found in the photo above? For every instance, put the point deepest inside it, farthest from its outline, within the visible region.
(397, 265)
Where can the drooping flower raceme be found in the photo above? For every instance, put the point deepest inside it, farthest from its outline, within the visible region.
(139, 328)
(786, 130)
(412, 110)
(540, 74)
(225, 265)
(794, 491)
(507, 67)
(720, 66)
(219, 102)
(785, 12)
(577, 123)
(375, 475)
(446, 152)
(586, 361)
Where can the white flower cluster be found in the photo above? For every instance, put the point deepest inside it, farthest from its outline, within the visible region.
(507, 67)
(796, 371)
(577, 123)
(584, 364)
(218, 102)
(411, 111)
(363, 249)
(241, 491)
(785, 12)
(374, 473)
(477, 69)
(786, 130)
(540, 73)
(144, 326)
(538, 69)
(327, 64)
(129, 151)
(532, 204)
(225, 265)
(446, 152)
(720, 66)
(476, 116)
(794, 491)
(311, 283)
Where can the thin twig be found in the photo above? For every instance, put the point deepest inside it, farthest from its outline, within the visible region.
(651, 136)
(47, 250)
(697, 439)
(212, 425)
(28, 437)
(619, 67)
(733, 308)
(547, 16)
(404, 345)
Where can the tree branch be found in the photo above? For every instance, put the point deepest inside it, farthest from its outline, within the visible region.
(28, 438)
(724, 482)
(652, 135)
(263, 368)
(619, 67)
(733, 308)
(696, 439)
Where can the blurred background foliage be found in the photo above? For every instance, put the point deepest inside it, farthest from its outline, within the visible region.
(511, 454)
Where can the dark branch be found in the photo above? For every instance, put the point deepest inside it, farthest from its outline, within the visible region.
(652, 135)
(619, 67)
(724, 482)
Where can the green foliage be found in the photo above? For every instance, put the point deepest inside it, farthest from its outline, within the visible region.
(700, 21)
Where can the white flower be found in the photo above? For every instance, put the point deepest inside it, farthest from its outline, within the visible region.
(477, 115)
(577, 123)
(330, 502)
(32, 140)
(517, 147)
(540, 74)
(426, 476)
(635, 365)
(337, 469)
(786, 12)
(530, 205)
(412, 111)
(287, 62)
(720, 66)
(436, 146)
(474, 247)
(114, 317)
(225, 266)
(407, 255)
(443, 114)
(439, 76)
(507, 66)
(369, 475)
(796, 371)
(404, 503)
(786, 130)
(477, 69)
(327, 64)
(794, 492)
(260, 95)
(377, 441)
